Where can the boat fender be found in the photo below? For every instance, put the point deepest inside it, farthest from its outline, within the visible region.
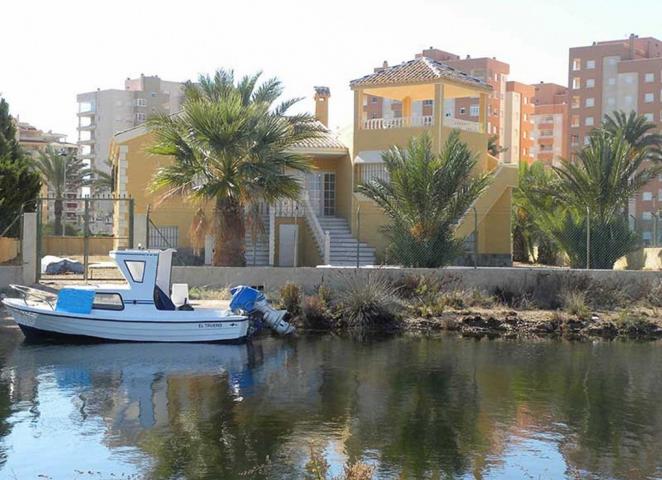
(251, 300)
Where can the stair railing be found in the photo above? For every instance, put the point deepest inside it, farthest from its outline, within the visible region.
(322, 238)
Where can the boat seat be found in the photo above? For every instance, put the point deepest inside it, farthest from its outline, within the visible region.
(162, 301)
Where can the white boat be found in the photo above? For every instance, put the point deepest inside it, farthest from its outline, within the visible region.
(140, 310)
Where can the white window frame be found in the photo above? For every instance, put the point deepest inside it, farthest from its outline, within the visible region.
(649, 97)
(589, 121)
(589, 102)
(590, 82)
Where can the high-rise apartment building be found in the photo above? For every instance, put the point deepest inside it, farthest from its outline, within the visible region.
(550, 117)
(518, 123)
(618, 75)
(102, 113)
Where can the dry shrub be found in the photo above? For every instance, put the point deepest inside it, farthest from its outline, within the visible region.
(290, 298)
(316, 315)
(574, 302)
(654, 294)
(370, 303)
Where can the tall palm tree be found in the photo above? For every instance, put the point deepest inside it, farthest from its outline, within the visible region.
(61, 173)
(637, 130)
(425, 196)
(231, 145)
(103, 182)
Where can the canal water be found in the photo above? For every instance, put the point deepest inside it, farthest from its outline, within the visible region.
(440, 407)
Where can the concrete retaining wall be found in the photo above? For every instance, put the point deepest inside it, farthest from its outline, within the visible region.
(485, 278)
(10, 274)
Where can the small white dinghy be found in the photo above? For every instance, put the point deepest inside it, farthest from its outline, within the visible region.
(140, 311)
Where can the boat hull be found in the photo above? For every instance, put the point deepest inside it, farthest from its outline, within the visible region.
(54, 325)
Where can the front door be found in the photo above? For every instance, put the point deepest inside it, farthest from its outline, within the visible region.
(322, 192)
(287, 241)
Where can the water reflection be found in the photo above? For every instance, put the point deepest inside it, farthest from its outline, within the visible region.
(414, 407)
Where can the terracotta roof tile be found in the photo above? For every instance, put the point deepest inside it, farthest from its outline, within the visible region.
(417, 70)
(326, 139)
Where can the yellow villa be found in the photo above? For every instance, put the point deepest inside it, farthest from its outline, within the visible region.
(332, 224)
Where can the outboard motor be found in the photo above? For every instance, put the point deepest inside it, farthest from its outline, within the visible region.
(250, 300)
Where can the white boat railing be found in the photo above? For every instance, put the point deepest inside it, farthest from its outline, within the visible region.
(321, 237)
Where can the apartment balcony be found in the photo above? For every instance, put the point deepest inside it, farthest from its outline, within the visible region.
(87, 141)
(87, 128)
(87, 113)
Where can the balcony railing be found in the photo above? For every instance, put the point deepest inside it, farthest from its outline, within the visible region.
(399, 122)
(466, 125)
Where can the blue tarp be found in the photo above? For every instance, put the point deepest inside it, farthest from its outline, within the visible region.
(74, 300)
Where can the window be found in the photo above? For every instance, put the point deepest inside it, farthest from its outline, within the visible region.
(611, 81)
(576, 101)
(153, 94)
(463, 111)
(373, 99)
(587, 139)
(647, 196)
(140, 117)
(575, 121)
(590, 83)
(629, 79)
(526, 117)
(136, 269)
(649, 78)
(141, 102)
(647, 236)
(646, 216)
(107, 301)
(611, 101)
(474, 110)
(612, 61)
(628, 99)
(574, 140)
(649, 98)
(590, 102)
(428, 103)
(576, 83)
(649, 116)
(590, 64)
(588, 121)
(576, 64)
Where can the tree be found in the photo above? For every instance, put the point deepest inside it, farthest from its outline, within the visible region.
(426, 196)
(61, 172)
(103, 182)
(593, 191)
(19, 184)
(637, 130)
(231, 144)
(530, 241)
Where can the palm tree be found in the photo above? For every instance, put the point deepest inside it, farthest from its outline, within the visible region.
(231, 145)
(103, 182)
(493, 146)
(426, 196)
(61, 172)
(594, 189)
(637, 130)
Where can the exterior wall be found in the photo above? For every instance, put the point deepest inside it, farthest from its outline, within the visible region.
(52, 245)
(550, 120)
(519, 123)
(8, 249)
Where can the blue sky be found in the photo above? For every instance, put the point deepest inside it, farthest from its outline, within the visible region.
(54, 50)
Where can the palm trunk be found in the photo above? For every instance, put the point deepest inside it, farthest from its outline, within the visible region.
(230, 234)
(58, 216)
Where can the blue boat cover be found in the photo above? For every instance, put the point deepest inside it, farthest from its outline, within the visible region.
(244, 298)
(74, 300)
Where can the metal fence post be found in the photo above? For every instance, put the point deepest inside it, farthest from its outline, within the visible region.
(86, 240)
(131, 219)
(147, 227)
(588, 237)
(475, 236)
(358, 236)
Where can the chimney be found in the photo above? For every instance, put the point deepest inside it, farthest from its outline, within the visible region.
(631, 46)
(322, 95)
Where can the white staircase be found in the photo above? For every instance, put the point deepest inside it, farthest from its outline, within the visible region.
(257, 254)
(343, 246)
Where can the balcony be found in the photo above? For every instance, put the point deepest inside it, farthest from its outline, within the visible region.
(398, 122)
(87, 128)
(87, 113)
